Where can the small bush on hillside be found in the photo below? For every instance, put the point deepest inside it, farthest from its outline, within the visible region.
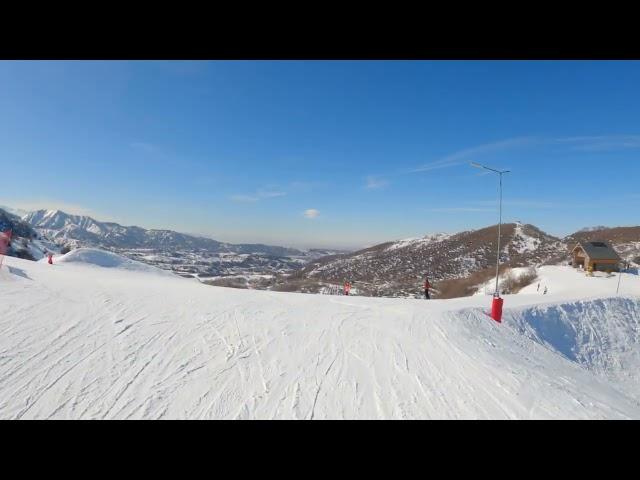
(304, 285)
(513, 284)
(464, 287)
(231, 282)
(558, 260)
(286, 287)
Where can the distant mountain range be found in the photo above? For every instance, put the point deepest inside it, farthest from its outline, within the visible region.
(81, 230)
(397, 268)
(188, 255)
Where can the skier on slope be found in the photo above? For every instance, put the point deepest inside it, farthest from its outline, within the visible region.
(427, 286)
(5, 243)
(347, 287)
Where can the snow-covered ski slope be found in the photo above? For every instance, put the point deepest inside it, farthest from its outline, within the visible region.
(100, 258)
(82, 341)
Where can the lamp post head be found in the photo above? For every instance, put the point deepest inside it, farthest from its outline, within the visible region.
(479, 165)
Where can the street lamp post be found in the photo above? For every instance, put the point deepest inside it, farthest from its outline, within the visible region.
(496, 293)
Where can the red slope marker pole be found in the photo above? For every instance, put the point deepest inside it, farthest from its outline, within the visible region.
(496, 309)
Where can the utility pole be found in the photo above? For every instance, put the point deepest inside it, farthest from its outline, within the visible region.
(500, 173)
(496, 305)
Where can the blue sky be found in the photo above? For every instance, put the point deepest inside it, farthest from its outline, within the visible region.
(338, 154)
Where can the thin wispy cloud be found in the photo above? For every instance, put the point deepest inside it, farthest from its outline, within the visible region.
(593, 143)
(518, 203)
(271, 194)
(261, 194)
(492, 206)
(274, 191)
(311, 213)
(460, 209)
(600, 143)
(374, 182)
(464, 156)
(608, 202)
(307, 186)
(243, 198)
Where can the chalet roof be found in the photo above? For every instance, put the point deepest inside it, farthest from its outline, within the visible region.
(598, 250)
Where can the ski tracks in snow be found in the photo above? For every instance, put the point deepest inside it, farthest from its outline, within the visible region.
(137, 346)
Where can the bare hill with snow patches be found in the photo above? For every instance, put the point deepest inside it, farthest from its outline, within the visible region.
(455, 263)
(106, 342)
(394, 268)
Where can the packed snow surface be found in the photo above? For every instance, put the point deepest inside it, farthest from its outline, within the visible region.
(80, 340)
(567, 282)
(102, 258)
